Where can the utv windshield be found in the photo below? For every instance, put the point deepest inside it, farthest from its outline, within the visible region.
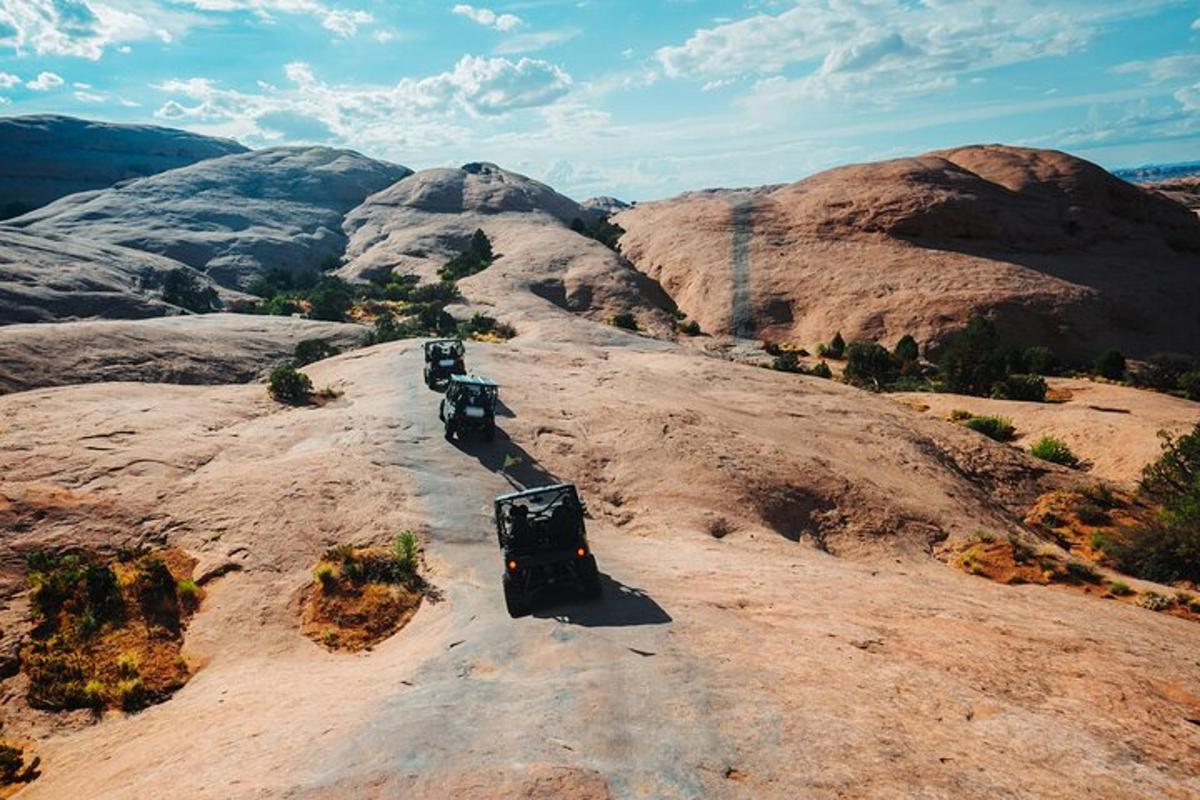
(474, 395)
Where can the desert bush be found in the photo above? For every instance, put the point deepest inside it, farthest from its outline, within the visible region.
(288, 385)
(1081, 571)
(691, 328)
(1021, 551)
(997, 428)
(960, 415)
(1039, 360)
(331, 299)
(1090, 513)
(281, 306)
(1189, 384)
(1162, 371)
(1030, 388)
(443, 292)
(323, 575)
(1119, 589)
(476, 258)
(182, 287)
(870, 365)
(189, 593)
(405, 553)
(600, 229)
(481, 324)
(906, 350)
(127, 664)
(821, 370)
(309, 351)
(836, 347)
(1155, 601)
(787, 361)
(1054, 450)
(971, 362)
(719, 527)
(1111, 365)
(625, 320)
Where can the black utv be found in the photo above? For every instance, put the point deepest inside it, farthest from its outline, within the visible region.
(544, 541)
(443, 358)
(469, 407)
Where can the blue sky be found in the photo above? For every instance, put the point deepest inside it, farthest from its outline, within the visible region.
(633, 98)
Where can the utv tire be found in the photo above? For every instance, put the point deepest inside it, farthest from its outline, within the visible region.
(589, 577)
(514, 599)
(449, 432)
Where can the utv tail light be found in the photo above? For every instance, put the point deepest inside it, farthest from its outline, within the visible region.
(581, 552)
(512, 565)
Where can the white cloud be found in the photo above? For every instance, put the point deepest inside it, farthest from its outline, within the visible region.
(44, 82)
(865, 49)
(1189, 98)
(537, 40)
(90, 97)
(487, 17)
(383, 36)
(346, 23)
(4, 101)
(85, 28)
(1196, 24)
(414, 113)
(9, 80)
(1164, 69)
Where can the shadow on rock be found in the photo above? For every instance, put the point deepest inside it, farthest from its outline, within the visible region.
(620, 606)
(509, 459)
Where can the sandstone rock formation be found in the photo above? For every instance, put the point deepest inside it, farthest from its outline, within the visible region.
(192, 349)
(48, 278)
(234, 217)
(417, 224)
(47, 156)
(1055, 248)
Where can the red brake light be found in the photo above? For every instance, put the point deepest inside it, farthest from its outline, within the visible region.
(512, 565)
(581, 552)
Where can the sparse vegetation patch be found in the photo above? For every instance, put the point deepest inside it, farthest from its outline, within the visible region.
(362, 595)
(1054, 450)
(107, 634)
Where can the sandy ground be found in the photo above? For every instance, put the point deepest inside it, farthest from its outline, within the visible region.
(1113, 429)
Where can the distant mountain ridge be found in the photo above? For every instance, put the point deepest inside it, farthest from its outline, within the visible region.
(1153, 173)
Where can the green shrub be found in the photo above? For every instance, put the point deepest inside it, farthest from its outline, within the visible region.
(1162, 371)
(281, 306)
(442, 292)
(1054, 450)
(1091, 514)
(1081, 571)
(189, 593)
(870, 365)
(309, 351)
(600, 229)
(1040, 360)
(1110, 365)
(288, 385)
(1189, 384)
(787, 361)
(182, 287)
(1031, 388)
(689, 328)
(625, 320)
(821, 370)
(836, 347)
(331, 299)
(483, 324)
(1119, 589)
(476, 258)
(906, 350)
(971, 362)
(405, 552)
(997, 428)
(960, 415)
(323, 575)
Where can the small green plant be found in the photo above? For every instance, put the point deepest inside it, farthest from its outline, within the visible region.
(511, 461)
(985, 536)
(309, 351)
(189, 593)
(836, 348)
(821, 370)
(625, 320)
(130, 693)
(1030, 388)
(288, 385)
(476, 258)
(999, 429)
(406, 551)
(183, 287)
(1091, 514)
(128, 665)
(1081, 571)
(94, 692)
(1101, 542)
(323, 575)
(1119, 589)
(1054, 450)
(691, 328)
(870, 365)
(906, 350)
(1189, 385)
(960, 415)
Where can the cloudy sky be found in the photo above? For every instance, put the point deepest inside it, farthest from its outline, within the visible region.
(635, 98)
